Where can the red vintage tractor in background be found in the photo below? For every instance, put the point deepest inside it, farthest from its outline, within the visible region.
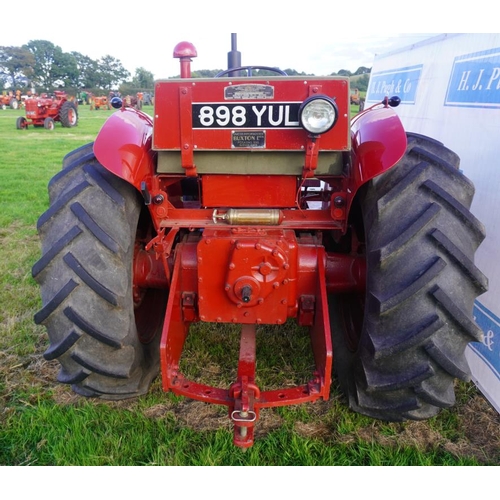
(9, 101)
(45, 111)
(255, 200)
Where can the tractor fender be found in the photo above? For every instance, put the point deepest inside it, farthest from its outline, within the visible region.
(123, 146)
(378, 142)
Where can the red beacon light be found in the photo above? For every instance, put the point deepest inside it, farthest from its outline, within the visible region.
(185, 51)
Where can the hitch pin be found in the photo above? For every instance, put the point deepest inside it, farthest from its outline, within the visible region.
(243, 416)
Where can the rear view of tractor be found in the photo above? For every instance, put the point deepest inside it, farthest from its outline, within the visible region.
(257, 201)
(45, 111)
(355, 97)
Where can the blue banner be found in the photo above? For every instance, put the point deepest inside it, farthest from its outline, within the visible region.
(475, 80)
(402, 82)
(489, 348)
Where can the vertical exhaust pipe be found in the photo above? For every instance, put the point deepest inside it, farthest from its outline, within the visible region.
(234, 57)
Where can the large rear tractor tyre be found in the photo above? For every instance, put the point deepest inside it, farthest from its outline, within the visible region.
(68, 114)
(106, 340)
(400, 347)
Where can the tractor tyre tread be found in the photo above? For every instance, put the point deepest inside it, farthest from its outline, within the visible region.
(68, 114)
(421, 286)
(85, 277)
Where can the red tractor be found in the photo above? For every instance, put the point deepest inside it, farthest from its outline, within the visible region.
(255, 200)
(9, 101)
(45, 111)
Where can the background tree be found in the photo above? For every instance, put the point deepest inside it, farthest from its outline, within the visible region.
(47, 58)
(294, 72)
(66, 70)
(143, 79)
(362, 70)
(45, 65)
(344, 72)
(111, 72)
(88, 71)
(17, 65)
(203, 73)
(361, 82)
(210, 73)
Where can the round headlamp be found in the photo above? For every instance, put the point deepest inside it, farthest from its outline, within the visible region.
(318, 114)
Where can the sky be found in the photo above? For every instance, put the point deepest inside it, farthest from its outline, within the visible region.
(318, 38)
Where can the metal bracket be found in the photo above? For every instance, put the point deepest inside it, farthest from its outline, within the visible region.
(189, 306)
(145, 193)
(306, 310)
(186, 129)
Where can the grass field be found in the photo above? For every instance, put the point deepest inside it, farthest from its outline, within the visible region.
(44, 423)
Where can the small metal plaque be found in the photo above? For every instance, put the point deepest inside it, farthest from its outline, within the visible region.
(249, 139)
(253, 91)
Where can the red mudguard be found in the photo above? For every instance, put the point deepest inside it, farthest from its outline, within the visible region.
(123, 146)
(378, 142)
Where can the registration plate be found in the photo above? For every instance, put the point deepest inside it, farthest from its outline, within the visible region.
(260, 115)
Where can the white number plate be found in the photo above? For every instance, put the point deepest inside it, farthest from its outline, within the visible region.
(247, 115)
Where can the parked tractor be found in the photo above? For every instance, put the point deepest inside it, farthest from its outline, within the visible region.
(355, 97)
(357, 100)
(257, 201)
(134, 101)
(45, 111)
(98, 102)
(8, 101)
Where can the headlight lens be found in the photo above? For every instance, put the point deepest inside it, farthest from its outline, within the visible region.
(318, 114)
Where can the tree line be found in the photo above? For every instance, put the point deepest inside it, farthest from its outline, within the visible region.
(44, 66)
(359, 78)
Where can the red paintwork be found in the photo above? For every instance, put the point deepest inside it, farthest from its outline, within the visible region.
(189, 274)
(264, 263)
(238, 191)
(129, 131)
(149, 272)
(173, 99)
(185, 51)
(378, 141)
(345, 273)
(241, 248)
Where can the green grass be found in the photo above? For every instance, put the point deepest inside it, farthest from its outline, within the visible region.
(97, 434)
(44, 423)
